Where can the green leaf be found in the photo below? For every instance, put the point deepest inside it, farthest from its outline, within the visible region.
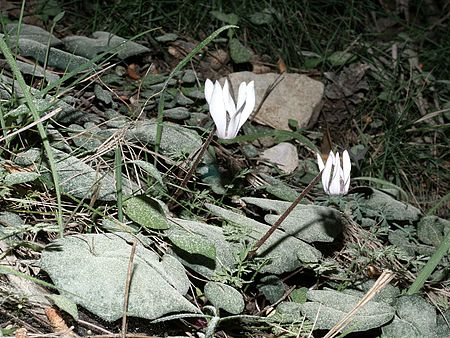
(377, 201)
(146, 212)
(340, 58)
(65, 304)
(288, 312)
(400, 239)
(192, 243)
(416, 318)
(231, 19)
(327, 307)
(430, 229)
(283, 252)
(311, 223)
(261, 18)
(92, 270)
(272, 288)
(224, 250)
(151, 170)
(20, 178)
(300, 295)
(59, 16)
(224, 297)
(238, 52)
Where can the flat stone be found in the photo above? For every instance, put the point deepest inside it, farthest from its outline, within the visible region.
(284, 155)
(296, 97)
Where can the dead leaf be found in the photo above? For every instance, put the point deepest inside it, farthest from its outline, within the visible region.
(58, 324)
(132, 71)
(21, 333)
(281, 66)
(217, 59)
(348, 82)
(259, 68)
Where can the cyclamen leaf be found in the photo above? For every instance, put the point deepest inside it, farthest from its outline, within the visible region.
(192, 243)
(146, 212)
(91, 271)
(327, 307)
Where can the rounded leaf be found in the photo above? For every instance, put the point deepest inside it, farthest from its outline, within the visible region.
(224, 297)
(146, 212)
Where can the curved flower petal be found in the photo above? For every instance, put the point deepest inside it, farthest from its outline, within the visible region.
(346, 168)
(217, 110)
(326, 174)
(320, 162)
(335, 178)
(228, 100)
(250, 100)
(242, 97)
(335, 185)
(209, 88)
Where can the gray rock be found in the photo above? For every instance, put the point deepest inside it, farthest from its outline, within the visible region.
(296, 97)
(284, 155)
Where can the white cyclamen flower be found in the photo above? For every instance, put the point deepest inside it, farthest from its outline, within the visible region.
(227, 116)
(335, 179)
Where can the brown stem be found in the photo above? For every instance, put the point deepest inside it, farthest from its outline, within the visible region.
(278, 222)
(127, 289)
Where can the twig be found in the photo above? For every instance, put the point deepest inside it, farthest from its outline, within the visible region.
(274, 227)
(127, 290)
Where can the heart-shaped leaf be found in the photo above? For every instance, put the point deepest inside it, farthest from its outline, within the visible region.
(224, 297)
(91, 270)
(327, 307)
(146, 212)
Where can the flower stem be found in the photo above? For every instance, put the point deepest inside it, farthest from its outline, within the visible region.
(263, 239)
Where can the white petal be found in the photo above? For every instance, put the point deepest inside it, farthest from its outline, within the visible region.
(233, 129)
(242, 94)
(217, 110)
(228, 100)
(326, 174)
(346, 168)
(335, 184)
(320, 162)
(209, 88)
(249, 104)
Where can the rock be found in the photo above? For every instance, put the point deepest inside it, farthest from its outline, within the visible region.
(296, 97)
(284, 155)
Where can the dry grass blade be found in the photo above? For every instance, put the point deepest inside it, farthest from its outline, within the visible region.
(31, 125)
(384, 279)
